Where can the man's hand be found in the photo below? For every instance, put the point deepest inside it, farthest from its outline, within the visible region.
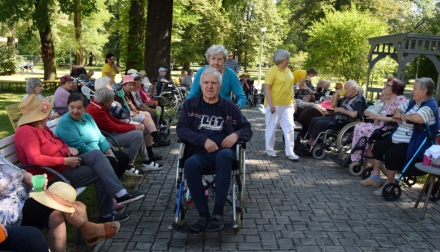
(140, 127)
(210, 146)
(72, 152)
(230, 140)
(397, 118)
(336, 110)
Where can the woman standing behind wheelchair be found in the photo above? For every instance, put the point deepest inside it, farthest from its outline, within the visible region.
(397, 150)
(393, 96)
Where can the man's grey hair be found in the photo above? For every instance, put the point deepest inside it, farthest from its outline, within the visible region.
(103, 82)
(216, 49)
(352, 83)
(31, 83)
(360, 90)
(280, 55)
(104, 95)
(426, 83)
(214, 72)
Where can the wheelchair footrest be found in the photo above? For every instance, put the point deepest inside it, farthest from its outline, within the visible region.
(187, 229)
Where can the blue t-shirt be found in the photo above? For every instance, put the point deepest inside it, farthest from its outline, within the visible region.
(211, 124)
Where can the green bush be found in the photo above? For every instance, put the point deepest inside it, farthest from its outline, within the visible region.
(7, 62)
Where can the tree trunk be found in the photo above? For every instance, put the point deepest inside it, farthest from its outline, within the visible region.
(11, 41)
(158, 37)
(90, 59)
(245, 61)
(186, 66)
(77, 20)
(135, 42)
(48, 54)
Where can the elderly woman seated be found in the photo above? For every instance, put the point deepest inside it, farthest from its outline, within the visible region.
(392, 97)
(128, 135)
(347, 109)
(397, 150)
(35, 86)
(67, 86)
(323, 88)
(49, 209)
(37, 145)
(125, 97)
(79, 130)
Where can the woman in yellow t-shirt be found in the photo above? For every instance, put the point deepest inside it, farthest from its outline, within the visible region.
(278, 103)
(110, 69)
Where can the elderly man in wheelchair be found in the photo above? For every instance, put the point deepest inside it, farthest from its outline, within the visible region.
(211, 126)
(346, 109)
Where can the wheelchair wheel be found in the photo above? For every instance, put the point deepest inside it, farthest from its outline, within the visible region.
(367, 172)
(435, 194)
(391, 192)
(345, 137)
(318, 153)
(239, 215)
(410, 180)
(355, 169)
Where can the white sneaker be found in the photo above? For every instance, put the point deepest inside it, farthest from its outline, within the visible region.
(153, 166)
(261, 108)
(134, 172)
(293, 157)
(271, 153)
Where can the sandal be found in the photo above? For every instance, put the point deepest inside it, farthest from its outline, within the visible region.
(111, 228)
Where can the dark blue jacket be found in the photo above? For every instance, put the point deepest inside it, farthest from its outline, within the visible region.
(189, 121)
(418, 136)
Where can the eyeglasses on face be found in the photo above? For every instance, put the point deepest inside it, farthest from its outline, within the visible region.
(388, 85)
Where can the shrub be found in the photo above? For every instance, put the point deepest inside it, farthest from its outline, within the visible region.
(8, 63)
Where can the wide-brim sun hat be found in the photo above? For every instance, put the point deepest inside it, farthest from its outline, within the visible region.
(142, 72)
(130, 71)
(127, 79)
(34, 109)
(59, 196)
(244, 74)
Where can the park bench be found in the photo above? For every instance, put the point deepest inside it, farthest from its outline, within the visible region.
(19, 85)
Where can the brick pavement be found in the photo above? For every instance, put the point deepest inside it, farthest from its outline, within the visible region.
(308, 205)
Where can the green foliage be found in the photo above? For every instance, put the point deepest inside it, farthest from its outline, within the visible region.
(7, 61)
(340, 41)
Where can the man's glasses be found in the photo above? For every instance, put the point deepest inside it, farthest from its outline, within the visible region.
(388, 85)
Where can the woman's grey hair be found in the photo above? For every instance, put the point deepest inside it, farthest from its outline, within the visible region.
(216, 49)
(426, 83)
(326, 83)
(214, 72)
(352, 83)
(280, 55)
(104, 95)
(31, 83)
(102, 83)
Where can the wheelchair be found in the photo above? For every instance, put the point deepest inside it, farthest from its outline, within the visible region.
(356, 168)
(409, 173)
(184, 201)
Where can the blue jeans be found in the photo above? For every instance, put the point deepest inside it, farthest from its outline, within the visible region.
(206, 163)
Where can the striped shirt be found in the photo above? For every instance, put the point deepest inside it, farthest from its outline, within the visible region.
(232, 64)
(404, 131)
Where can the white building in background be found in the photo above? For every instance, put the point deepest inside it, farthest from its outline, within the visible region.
(4, 40)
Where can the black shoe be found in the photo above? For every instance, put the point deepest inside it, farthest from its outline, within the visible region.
(302, 152)
(161, 143)
(127, 198)
(155, 158)
(115, 217)
(216, 223)
(200, 225)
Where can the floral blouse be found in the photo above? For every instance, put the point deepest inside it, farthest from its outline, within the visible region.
(13, 193)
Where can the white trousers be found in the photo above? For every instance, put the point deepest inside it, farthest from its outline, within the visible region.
(283, 116)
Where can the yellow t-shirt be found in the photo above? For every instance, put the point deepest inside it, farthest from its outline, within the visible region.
(298, 74)
(281, 89)
(108, 69)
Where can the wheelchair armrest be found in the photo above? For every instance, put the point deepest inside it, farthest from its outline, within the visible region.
(47, 170)
(106, 134)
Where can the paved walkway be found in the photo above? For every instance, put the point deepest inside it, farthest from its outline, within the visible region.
(308, 205)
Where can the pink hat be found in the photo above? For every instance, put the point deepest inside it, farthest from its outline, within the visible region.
(127, 79)
(65, 79)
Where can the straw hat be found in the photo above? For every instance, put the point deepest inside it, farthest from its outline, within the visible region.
(132, 71)
(34, 109)
(244, 74)
(59, 196)
(142, 72)
(127, 79)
